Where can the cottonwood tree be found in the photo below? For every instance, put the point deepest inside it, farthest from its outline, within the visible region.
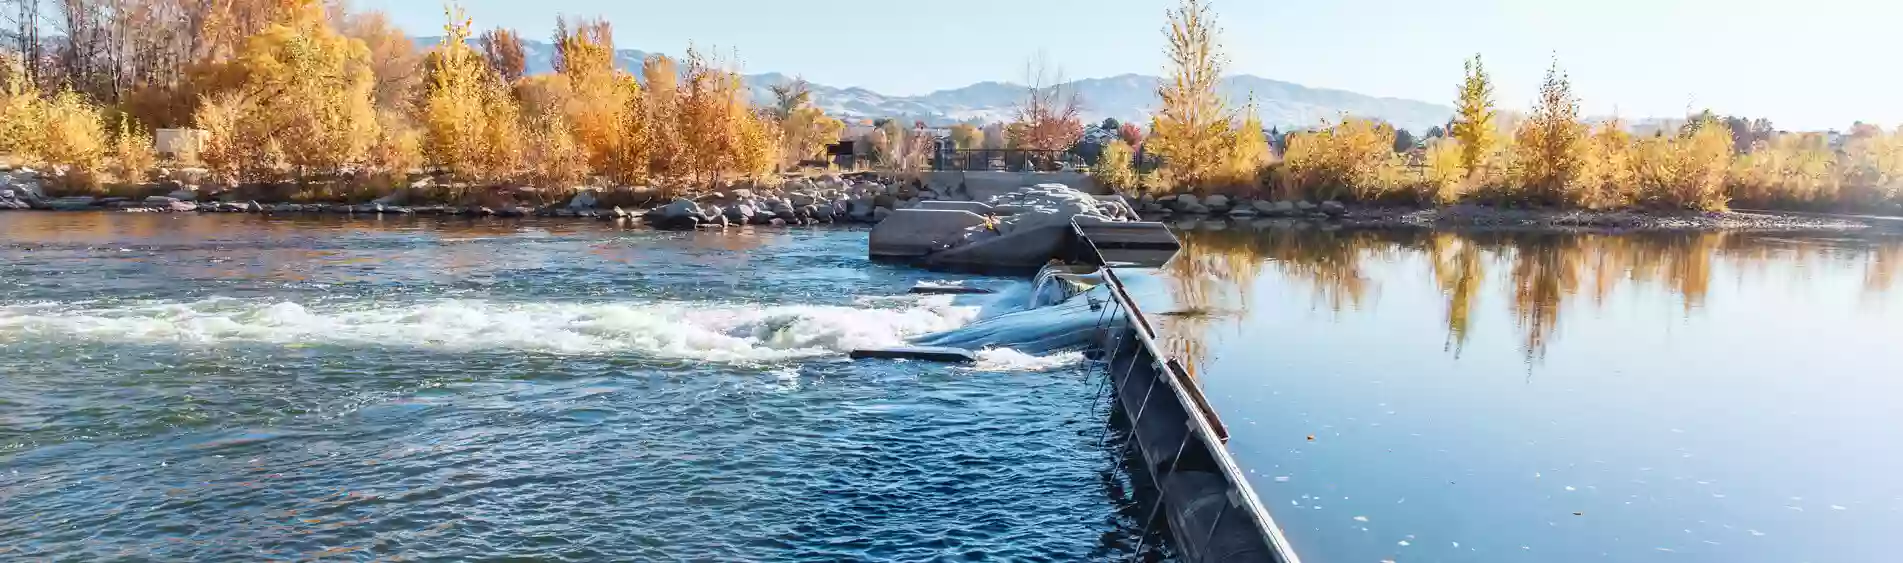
(502, 48)
(394, 61)
(1116, 166)
(1191, 126)
(1246, 153)
(471, 125)
(1474, 117)
(805, 131)
(1548, 145)
(304, 88)
(23, 37)
(602, 109)
(661, 105)
(790, 96)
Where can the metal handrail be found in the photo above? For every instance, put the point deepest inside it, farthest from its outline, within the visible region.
(1200, 425)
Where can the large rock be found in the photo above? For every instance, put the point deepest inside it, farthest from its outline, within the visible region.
(186, 193)
(861, 208)
(739, 213)
(1217, 202)
(682, 213)
(79, 203)
(1185, 201)
(11, 200)
(398, 196)
(1334, 208)
(583, 200)
(972, 206)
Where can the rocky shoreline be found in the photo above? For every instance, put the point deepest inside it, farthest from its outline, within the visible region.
(868, 199)
(854, 198)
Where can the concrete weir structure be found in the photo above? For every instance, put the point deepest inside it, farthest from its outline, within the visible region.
(1175, 440)
(1015, 230)
(1194, 484)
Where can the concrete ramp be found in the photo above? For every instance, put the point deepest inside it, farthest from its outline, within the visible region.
(1147, 245)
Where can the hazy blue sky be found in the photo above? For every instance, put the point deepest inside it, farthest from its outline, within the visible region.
(1804, 64)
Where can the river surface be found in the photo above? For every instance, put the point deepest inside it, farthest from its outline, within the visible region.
(1422, 396)
(239, 388)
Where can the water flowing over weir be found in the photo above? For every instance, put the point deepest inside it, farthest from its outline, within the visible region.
(233, 388)
(1174, 438)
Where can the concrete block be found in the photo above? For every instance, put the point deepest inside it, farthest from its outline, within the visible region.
(915, 233)
(972, 206)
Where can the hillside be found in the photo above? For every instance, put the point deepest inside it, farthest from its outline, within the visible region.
(1128, 97)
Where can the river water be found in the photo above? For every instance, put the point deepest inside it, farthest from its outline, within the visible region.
(238, 388)
(1432, 396)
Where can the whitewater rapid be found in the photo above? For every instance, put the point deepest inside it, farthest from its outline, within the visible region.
(677, 330)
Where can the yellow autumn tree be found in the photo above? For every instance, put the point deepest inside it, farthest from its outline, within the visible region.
(805, 130)
(62, 130)
(661, 107)
(1191, 127)
(1871, 171)
(967, 137)
(72, 135)
(1116, 166)
(133, 155)
(1686, 171)
(757, 138)
(808, 131)
(1354, 158)
(603, 108)
(1549, 144)
(20, 121)
(309, 89)
(1606, 177)
(229, 153)
(553, 155)
(1245, 153)
(1444, 177)
(1474, 117)
(1795, 170)
(470, 121)
(707, 126)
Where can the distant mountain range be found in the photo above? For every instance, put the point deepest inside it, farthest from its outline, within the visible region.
(1128, 98)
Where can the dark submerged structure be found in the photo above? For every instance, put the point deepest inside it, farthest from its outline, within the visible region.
(1178, 455)
(1185, 478)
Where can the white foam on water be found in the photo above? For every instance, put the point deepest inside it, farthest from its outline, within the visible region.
(1006, 359)
(674, 330)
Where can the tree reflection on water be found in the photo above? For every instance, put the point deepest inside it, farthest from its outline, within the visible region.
(1217, 272)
